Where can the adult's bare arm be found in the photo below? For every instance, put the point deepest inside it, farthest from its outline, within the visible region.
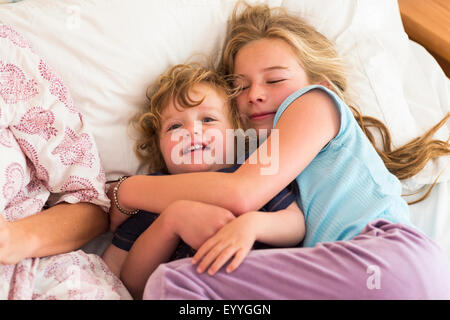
(61, 228)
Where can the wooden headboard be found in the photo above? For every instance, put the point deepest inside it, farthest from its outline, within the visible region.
(428, 23)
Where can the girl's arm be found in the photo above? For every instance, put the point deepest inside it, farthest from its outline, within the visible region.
(116, 218)
(62, 228)
(304, 129)
(284, 228)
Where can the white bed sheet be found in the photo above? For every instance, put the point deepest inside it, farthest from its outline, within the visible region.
(432, 215)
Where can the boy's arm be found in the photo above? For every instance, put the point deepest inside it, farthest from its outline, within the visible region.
(114, 258)
(234, 241)
(194, 222)
(153, 247)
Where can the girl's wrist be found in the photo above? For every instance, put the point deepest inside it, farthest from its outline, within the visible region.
(253, 219)
(123, 194)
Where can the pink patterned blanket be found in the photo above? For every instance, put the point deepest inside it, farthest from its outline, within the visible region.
(47, 156)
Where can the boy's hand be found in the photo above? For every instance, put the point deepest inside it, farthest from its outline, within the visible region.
(234, 240)
(195, 222)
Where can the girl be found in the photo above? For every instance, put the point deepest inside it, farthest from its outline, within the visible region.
(189, 95)
(359, 242)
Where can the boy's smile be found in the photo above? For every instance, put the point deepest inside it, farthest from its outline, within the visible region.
(188, 135)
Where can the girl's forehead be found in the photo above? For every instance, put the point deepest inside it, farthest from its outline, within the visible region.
(265, 54)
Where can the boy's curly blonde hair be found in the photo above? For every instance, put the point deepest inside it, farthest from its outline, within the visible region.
(175, 85)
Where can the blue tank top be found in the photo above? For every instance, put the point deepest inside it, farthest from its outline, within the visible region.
(346, 185)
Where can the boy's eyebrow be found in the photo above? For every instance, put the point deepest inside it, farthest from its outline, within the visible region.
(206, 108)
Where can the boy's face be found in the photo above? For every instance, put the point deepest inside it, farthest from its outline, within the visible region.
(194, 139)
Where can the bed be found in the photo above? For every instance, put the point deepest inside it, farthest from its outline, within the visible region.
(108, 51)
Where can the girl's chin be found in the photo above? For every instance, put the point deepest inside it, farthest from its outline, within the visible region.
(267, 124)
(266, 127)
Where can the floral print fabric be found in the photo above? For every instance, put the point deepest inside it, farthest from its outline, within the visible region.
(48, 156)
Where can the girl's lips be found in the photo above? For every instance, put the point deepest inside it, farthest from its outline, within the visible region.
(262, 116)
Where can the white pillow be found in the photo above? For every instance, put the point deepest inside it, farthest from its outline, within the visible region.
(45, 146)
(108, 51)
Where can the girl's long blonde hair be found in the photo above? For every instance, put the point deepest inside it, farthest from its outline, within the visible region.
(318, 57)
(175, 85)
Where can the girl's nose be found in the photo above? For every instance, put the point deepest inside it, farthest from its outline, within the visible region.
(256, 94)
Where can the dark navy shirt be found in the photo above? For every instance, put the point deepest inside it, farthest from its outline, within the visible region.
(127, 233)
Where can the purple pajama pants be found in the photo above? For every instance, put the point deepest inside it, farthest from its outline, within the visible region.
(385, 261)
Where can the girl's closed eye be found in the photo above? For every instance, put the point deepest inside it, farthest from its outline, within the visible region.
(242, 85)
(275, 81)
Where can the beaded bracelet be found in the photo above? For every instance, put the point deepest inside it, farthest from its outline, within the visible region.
(116, 200)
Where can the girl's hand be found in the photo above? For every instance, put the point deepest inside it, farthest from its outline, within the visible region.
(116, 218)
(234, 240)
(14, 243)
(195, 222)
